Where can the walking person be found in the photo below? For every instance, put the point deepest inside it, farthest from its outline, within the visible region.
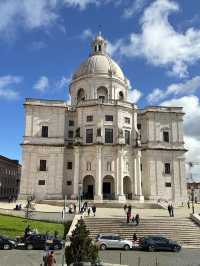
(169, 209)
(74, 208)
(172, 210)
(128, 216)
(51, 261)
(137, 219)
(94, 209)
(88, 211)
(45, 256)
(188, 204)
(125, 209)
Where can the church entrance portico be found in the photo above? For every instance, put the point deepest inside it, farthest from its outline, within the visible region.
(108, 188)
(88, 187)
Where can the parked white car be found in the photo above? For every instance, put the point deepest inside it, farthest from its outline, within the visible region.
(114, 241)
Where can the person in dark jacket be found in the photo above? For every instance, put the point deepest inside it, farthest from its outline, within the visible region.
(137, 219)
(94, 209)
(169, 209)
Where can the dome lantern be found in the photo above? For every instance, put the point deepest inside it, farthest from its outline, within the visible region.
(99, 45)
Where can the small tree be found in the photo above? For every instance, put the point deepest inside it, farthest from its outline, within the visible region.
(81, 248)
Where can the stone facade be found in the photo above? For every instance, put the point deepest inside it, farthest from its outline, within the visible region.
(10, 174)
(102, 144)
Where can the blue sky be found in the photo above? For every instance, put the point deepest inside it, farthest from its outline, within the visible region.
(42, 42)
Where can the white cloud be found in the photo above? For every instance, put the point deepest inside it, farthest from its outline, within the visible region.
(42, 84)
(112, 48)
(6, 84)
(87, 34)
(38, 45)
(136, 7)
(187, 87)
(160, 44)
(36, 14)
(63, 82)
(134, 95)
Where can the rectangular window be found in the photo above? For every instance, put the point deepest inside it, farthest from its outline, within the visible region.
(139, 126)
(168, 184)
(70, 134)
(102, 98)
(69, 183)
(45, 131)
(41, 182)
(108, 118)
(127, 137)
(43, 165)
(165, 136)
(89, 118)
(127, 120)
(71, 123)
(167, 168)
(88, 166)
(109, 166)
(108, 135)
(89, 135)
(69, 165)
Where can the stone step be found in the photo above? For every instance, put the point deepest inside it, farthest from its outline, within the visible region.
(183, 230)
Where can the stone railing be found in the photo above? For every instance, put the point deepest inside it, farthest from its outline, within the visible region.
(105, 102)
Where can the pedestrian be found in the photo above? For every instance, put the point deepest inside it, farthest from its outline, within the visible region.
(74, 208)
(137, 219)
(188, 204)
(88, 211)
(172, 210)
(51, 261)
(94, 209)
(45, 256)
(169, 209)
(128, 216)
(133, 219)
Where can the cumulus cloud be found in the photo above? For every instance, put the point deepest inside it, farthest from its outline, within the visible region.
(159, 42)
(134, 8)
(42, 84)
(63, 82)
(36, 14)
(87, 34)
(6, 87)
(134, 95)
(191, 107)
(187, 87)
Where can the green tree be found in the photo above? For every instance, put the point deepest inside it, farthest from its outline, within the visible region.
(81, 248)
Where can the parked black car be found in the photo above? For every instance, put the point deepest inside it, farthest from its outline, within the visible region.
(39, 241)
(7, 243)
(153, 243)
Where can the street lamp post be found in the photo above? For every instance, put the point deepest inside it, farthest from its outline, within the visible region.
(192, 196)
(79, 195)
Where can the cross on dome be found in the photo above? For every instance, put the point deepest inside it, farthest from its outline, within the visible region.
(99, 45)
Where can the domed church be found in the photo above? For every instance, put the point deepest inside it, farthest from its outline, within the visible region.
(102, 147)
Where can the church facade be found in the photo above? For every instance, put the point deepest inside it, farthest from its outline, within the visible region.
(102, 146)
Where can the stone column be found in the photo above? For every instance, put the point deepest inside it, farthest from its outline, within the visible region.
(139, 176)
(76, 170)
(135, 177)
(121, 196)
(98, 180)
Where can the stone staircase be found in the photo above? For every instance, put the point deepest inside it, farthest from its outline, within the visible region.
(183, 230)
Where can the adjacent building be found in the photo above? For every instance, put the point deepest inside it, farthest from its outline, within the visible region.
(10, 174)
(101, 145)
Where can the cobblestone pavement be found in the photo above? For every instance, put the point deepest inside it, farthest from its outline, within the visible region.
(187, 257)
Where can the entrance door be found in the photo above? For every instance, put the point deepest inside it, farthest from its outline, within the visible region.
(90, 192)
(107, 190)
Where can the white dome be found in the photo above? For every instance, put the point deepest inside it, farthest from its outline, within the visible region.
(99, 64)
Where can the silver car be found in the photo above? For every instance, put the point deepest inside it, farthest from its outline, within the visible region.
(105, 241)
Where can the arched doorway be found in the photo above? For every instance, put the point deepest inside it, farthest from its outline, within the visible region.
(108, 188)
(121, 96)
(88, 187)
(127, 185)
(80, 95)
(102, 93)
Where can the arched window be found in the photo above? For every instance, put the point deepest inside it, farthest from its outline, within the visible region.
(80, 95)
(121, 96)
(102, 93)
